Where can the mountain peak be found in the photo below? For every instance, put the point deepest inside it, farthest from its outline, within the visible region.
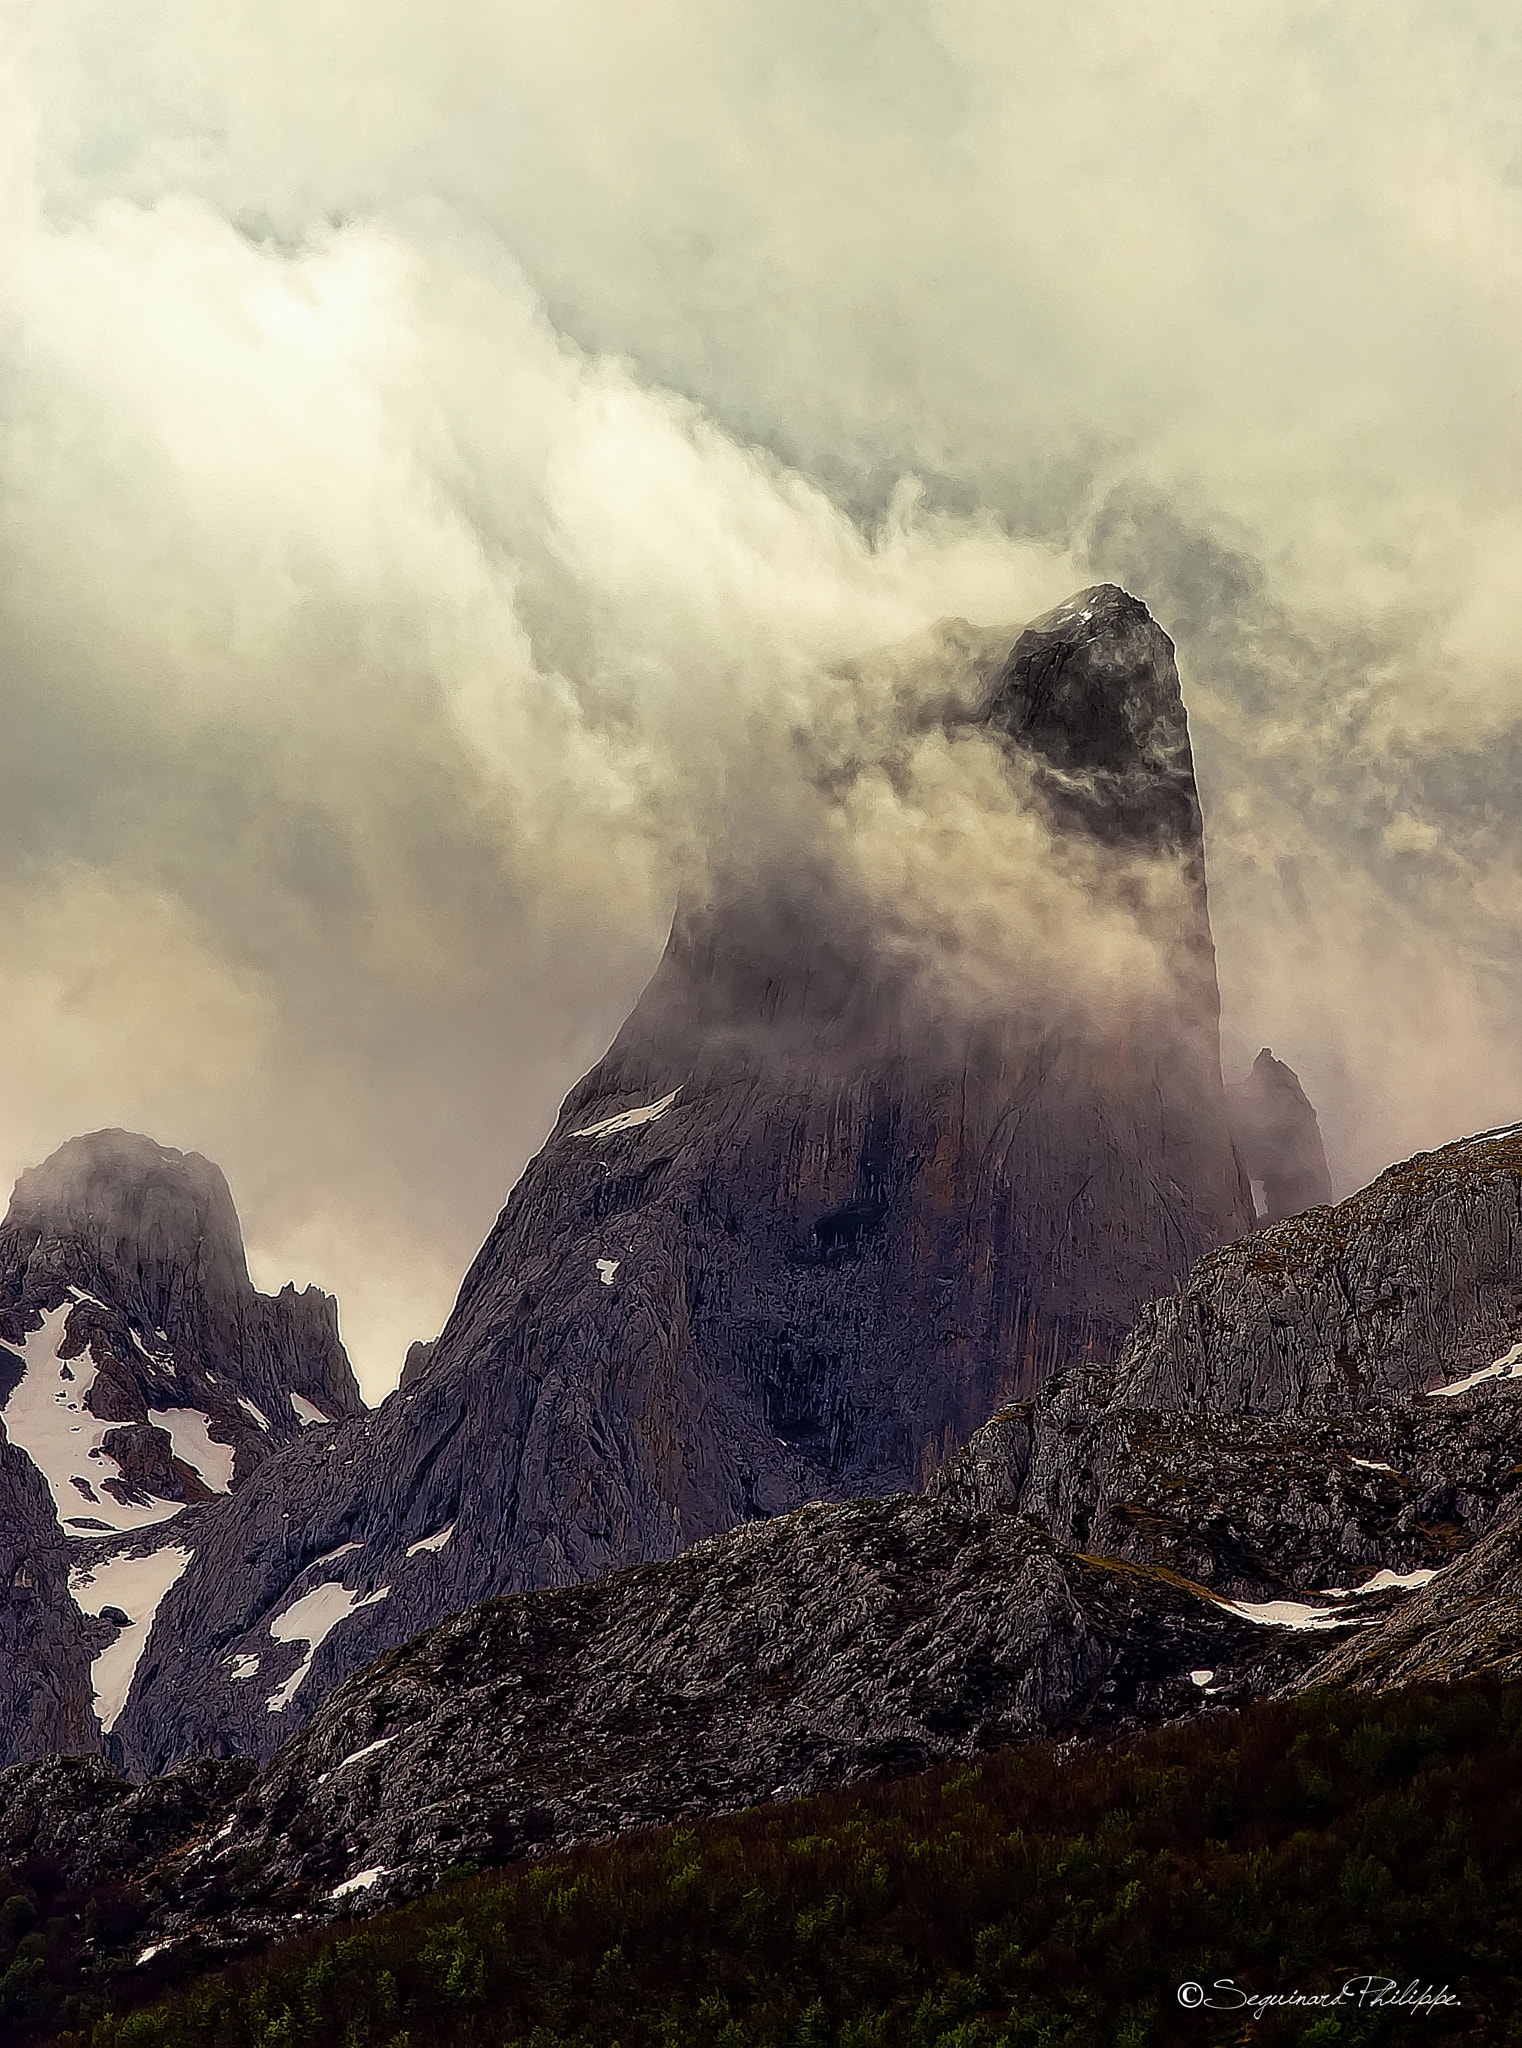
(808, 1220)
(134, 1210)
(1091, 688)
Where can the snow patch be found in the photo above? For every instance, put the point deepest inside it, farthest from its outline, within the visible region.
(1385, 1581)
(307, 1412)
(147, 1954)
(329, 1555)
(47, 1418)
(190, 1433)
(606, 1268)
(311, 1620)
(1372, 1465)
(1201, 1678)
(360, 1882)
(1507, 1368)
(252, 1408)
(1284, 1613)
(629, 1119)
(369, 1750)
(137, 1586)
(434, 1542)
(159, 1362)
(243, 1667)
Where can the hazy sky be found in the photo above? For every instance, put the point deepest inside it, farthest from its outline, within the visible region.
(441, 449)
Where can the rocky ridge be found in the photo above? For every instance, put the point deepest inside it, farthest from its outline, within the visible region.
(1088, 1561)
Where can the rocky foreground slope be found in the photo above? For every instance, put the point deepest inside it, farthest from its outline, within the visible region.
(1092, 1559)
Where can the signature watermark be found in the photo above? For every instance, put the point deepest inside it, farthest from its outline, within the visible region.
(1226, 1995)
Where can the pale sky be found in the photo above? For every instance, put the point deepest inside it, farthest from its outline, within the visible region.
(443, 451)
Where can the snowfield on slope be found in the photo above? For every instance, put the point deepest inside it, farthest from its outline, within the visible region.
(136, 1585)
(47, 1418)
(311, 1620)
(1507, 1368)
(629, 1119)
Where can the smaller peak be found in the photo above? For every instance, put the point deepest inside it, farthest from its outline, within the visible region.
(131, 1204)
(97, 1169)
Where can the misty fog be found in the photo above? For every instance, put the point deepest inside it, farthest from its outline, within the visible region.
(448, 455)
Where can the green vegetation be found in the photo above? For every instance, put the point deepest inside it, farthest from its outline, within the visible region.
(1044, 1898)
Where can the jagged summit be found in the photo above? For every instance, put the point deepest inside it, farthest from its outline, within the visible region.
(142, 1379)
(1091, 688)
(784, 953)
(152, 1237)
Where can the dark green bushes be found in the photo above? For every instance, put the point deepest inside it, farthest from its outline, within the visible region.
(1046, 1898)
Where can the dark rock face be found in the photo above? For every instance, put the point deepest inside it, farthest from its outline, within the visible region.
(45, 1652)
(141, 1377)
(1279, 1139)
(792, 1238)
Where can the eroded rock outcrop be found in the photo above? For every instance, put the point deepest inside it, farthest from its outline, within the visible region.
(1330, 1397)
(829, 1644)
(1416, 1278)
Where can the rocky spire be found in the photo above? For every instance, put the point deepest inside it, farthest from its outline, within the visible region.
(802, 1226)
(1279, 1139)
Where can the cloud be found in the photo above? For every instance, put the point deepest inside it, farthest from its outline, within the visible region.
(446, 456)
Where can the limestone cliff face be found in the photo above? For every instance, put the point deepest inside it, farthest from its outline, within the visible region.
(1332, 1397)
(1416, 1278)
(792, 1237)
(142, 1378)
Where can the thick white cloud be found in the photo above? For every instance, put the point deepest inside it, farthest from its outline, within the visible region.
(444, 449)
